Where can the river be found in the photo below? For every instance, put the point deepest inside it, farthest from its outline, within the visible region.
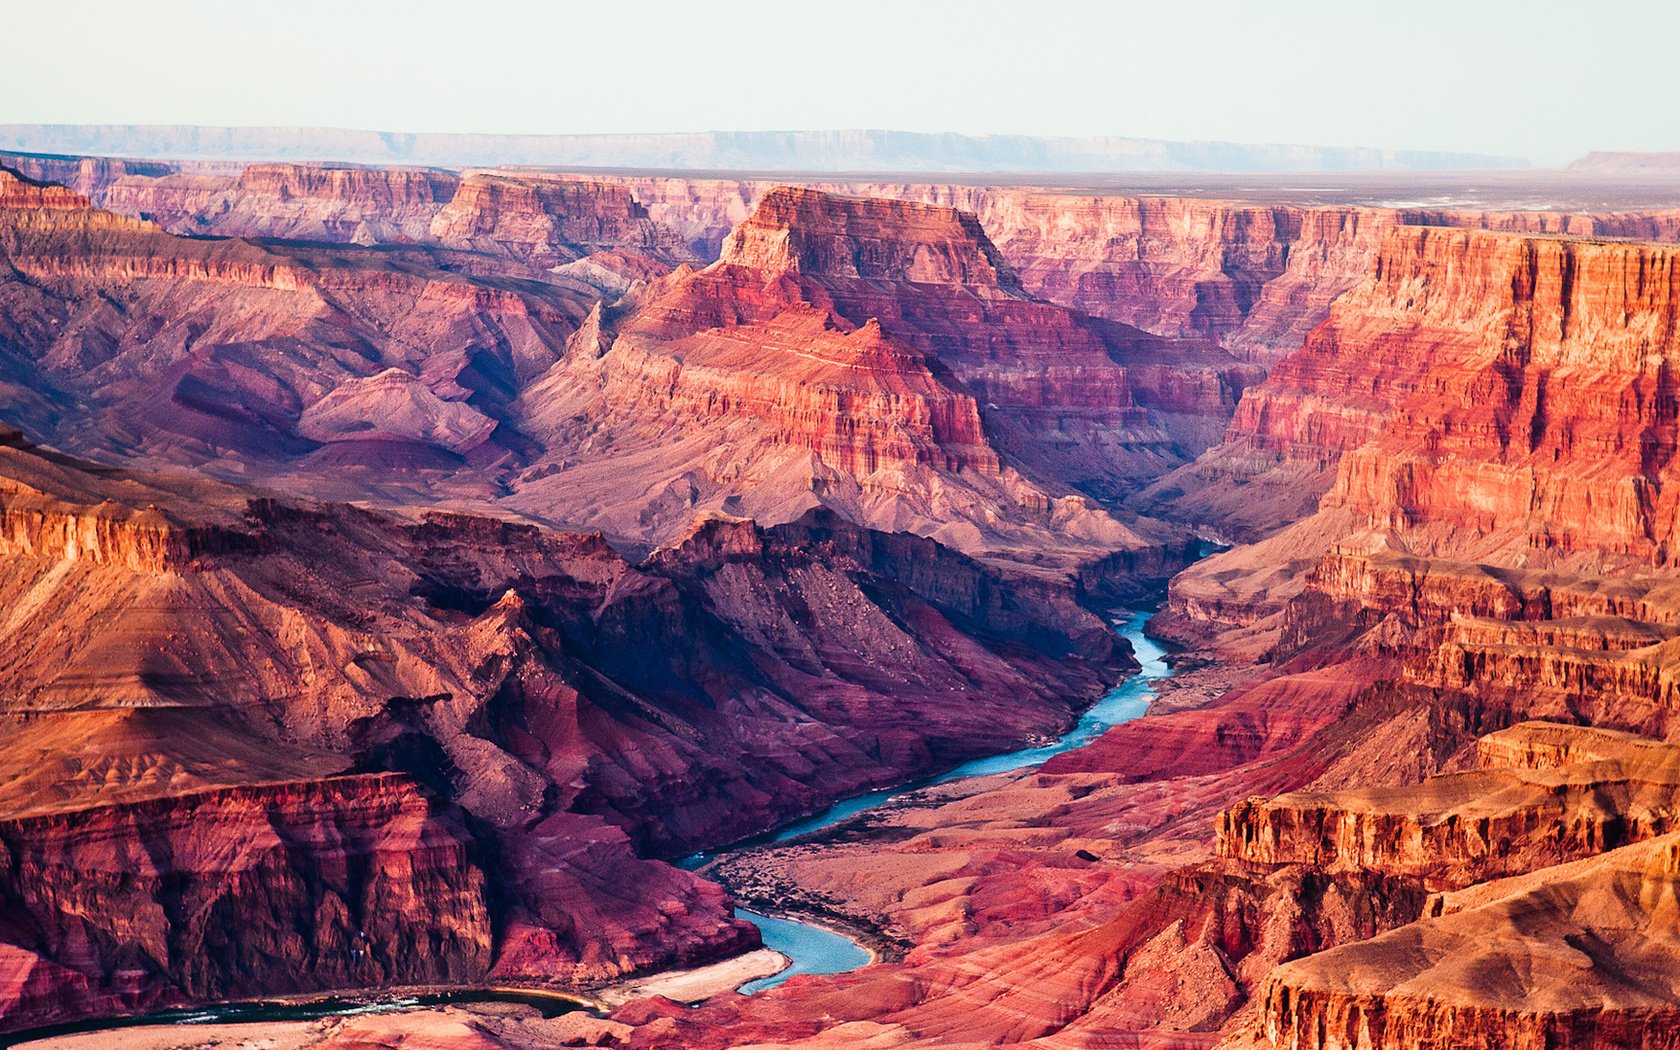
(814, 949)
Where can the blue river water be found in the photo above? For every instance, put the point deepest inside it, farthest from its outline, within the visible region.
(812, 949)
(816, 950)
(1123, 703)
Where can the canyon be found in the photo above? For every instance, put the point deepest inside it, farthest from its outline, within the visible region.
(407, 565)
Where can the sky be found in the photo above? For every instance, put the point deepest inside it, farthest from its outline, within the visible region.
(1544, 79)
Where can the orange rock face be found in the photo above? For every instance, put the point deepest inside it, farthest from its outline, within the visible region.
(878, 358)
(1563, 952)
(1555, 430)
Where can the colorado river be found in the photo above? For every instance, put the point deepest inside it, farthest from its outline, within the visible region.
(810, 949)
(813, 949)
(1123, 703)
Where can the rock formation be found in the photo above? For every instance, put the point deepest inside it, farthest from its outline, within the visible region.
(1572, 947)
(877, 357)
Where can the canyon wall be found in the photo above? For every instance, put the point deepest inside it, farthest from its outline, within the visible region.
(249, 890)
(1255, 277)
(1487, 422)
(892, 369)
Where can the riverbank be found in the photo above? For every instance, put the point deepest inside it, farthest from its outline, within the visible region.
(772, 873)
(758, 877)
(306, 1010)
(699, 983)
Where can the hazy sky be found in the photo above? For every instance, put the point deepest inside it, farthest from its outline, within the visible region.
(1545, 79)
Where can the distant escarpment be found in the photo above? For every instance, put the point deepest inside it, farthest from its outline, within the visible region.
(1253, 276)
(845, 149)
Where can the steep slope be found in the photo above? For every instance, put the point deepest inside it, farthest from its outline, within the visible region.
(1482, 398)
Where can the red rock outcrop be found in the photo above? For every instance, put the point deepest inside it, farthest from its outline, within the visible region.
(1494, 413)
(806, 231)
(1557, 420)
(243, 890)
(1034, 366)
(548, 220)
(1574, 948)
(290, 201)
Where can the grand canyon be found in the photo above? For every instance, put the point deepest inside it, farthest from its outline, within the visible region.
(805, 590)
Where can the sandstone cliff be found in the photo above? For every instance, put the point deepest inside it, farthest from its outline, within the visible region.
(1483, 397)
(1255, 277)
(1572, 949)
